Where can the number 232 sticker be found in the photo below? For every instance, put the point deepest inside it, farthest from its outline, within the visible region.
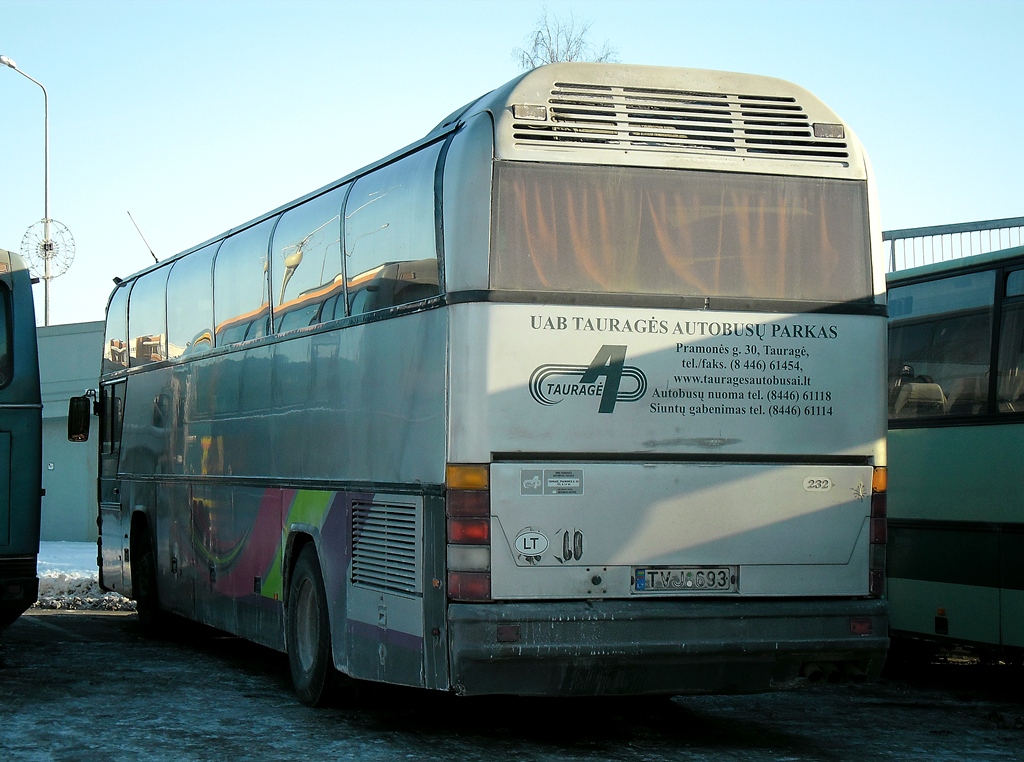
(817, 484)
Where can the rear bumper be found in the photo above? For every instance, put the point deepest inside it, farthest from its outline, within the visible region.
(17, 594)
(585, 648)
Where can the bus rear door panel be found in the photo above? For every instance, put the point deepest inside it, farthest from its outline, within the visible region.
(111, 519)
(752, 530)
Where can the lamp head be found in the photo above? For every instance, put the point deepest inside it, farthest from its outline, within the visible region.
(8, 62)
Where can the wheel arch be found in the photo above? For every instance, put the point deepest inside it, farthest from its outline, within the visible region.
(141, 529)
(311, 661)
(299, 536)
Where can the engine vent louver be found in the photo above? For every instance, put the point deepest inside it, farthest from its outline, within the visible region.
(386, 546)
(649, 119)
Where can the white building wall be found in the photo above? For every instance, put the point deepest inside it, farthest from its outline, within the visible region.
(69, 363)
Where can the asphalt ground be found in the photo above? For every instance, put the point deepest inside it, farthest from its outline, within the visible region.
(86, 685)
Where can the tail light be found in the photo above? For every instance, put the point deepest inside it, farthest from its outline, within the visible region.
(468, 517)
(879, 533)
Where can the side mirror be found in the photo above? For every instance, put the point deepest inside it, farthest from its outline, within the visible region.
(79, 413)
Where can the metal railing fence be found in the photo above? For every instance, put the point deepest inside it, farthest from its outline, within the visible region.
(912, 247)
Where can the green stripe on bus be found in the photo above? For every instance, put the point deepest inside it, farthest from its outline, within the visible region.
(308, 507)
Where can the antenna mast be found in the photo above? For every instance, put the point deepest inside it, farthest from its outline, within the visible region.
(143, 237)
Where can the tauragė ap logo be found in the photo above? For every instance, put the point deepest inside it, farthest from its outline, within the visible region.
(603, 378)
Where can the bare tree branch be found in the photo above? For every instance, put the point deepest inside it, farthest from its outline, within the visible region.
(556, 39)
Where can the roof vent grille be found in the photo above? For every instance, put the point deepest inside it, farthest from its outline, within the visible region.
(654, 119)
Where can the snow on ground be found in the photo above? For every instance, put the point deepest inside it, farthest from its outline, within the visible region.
(69, 579)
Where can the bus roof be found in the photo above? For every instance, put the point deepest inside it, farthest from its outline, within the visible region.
(660, 116)
(960, 264)
(11, 261)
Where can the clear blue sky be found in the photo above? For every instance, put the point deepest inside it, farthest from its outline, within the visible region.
(197, 115)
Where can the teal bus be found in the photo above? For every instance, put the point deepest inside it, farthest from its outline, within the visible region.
(956, 432)
(20, 440)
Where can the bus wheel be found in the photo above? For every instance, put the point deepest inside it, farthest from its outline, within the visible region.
(309, 632)
(147, 602)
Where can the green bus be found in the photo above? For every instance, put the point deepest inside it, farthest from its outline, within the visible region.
(956, 431)
(20, 440)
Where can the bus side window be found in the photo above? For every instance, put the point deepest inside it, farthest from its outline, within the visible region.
(115, 337)
(190, 304)
(241, 282)
(147, 327)
(1010, 388)
(306, 260)
(6, 364)
(940, 343)
(390, 243)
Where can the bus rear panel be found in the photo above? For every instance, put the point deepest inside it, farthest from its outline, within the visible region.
(669, 512)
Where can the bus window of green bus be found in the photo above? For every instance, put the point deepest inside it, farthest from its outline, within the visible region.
(6, 363)
(1010, 378)
(939, 346)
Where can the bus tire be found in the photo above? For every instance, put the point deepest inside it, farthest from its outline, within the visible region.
(309, 632)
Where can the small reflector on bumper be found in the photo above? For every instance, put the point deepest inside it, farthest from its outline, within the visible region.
(14, 593)
(509, 633)
(861, 627)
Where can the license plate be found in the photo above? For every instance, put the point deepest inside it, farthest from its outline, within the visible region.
(686, 579)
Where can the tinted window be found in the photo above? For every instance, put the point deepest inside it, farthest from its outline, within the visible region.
(307, 260)
(390, 248)
(241, 285)
(1010, 378)
(6, 363)
(1015, 283)
(190, 304)
(656, 231)
(940, 346)
(146, 319)
(115, 339)
(112, 418)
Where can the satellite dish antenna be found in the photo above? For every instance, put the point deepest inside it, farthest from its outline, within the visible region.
(49, 249)
(59, 249)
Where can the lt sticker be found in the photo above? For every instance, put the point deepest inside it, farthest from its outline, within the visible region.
(530, 542)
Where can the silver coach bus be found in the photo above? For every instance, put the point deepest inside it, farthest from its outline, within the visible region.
(583, 393)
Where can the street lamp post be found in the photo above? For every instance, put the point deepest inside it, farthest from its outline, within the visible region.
(47, 243)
